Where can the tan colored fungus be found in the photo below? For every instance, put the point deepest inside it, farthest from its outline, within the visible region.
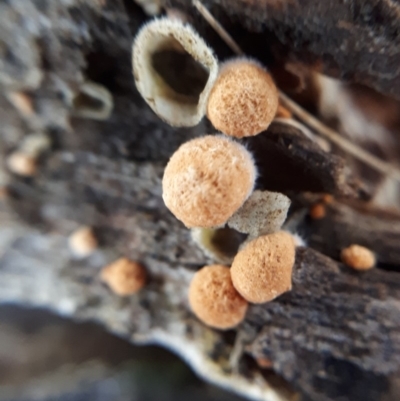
(317, 211)
(328, 199)
(214, 300)
(358, 257)
(244, 99)
(22, 164)
(174, 70)
(124, 276)
(83, 242)
(207, 179)
(24, 160)
(262, 270)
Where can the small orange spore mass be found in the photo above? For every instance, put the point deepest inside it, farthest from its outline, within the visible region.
(22, 164)
(317, 211)
(124, 276)
(262, 270)
(358, 257)
(207, 180)
(214, 300)
(244, 99)
(83, 242)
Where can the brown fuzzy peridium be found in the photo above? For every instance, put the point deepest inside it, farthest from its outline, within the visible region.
(214, 300)
(244, 99)
(83, 241)
(262, 270)
(207, 179)
(22, 164)
(358, 257)
(124, 276)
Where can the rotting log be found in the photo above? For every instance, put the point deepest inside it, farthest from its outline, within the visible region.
(334, 337)
(357, 41)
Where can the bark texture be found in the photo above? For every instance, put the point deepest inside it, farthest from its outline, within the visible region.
(335, 336)
(357, 40)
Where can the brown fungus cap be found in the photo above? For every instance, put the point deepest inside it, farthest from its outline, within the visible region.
(83, 241)
(124, 276)
(214, 299)
(358, 257)
(207, 179)
(244, 99)
(262, 270)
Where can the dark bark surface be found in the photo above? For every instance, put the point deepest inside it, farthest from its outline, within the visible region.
(335, 336)
(356, 40)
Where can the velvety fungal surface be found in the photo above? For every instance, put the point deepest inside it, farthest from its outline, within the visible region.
(244, 99)
(262, 270)
(124, 276)
(207, 180)
(213, 298)
(358, 257)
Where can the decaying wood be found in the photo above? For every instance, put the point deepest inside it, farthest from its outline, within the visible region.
(288, 160)
(334, 337)
(356, 40)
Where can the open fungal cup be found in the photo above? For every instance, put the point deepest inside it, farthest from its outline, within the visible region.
(262, 270)
(207, 179)
(263, 213)
(214, 300)
(174, 71)
(244, 99)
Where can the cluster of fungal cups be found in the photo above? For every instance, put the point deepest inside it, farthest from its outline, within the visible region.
(209, 181)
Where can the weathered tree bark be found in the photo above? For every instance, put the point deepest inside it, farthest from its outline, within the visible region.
(335, 336)
(357, 40)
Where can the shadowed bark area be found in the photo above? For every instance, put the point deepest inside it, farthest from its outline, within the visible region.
(335, 336)
(357, 40)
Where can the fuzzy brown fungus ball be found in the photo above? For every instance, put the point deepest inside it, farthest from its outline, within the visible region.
(358, 257)
(244, 99)
(207, 179)
(124, 276)
(317, 211)
(214, 300)
(328, 199)
(262, 270)
(22, 164)
(83, 242)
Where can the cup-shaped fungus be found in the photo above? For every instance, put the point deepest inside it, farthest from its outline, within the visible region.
(174, 71)
(358, 257)
(92, 101)
(207, 179)
(262, 270)
(219, 244)
(263, 213)
(214, 300)
(124, 276)
(244, 99)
